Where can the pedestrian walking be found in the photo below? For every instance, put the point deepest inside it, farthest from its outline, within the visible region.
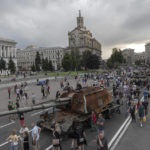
(81, 136)
(21, 117)
(56, 137)
(13, 139)
(9, 92)
(145, 104)
(33, 98)
(93, 120)
(100, 123)
(102, 142)
(132, 111)
(35, 136)
(141, 113)
(26, 140)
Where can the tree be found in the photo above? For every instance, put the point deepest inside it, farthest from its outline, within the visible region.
(75, 59)
(85, 57)
(2, 64)
(45, 64)
(11, 66)
(33, 68)
(50, 66)
(93, 62)
(66, 62)
(116, 58)
(37, 61)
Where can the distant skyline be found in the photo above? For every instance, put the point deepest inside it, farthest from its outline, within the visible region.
(115, 23)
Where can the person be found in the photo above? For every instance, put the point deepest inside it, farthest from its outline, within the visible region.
(81, 136)
(13, 139)
(56, 137)
(101, 142)
(33, 98)
(145, 104)
(132, 111)
(35, 136)
(21, 117)
(100, 123)
(141, 113)
(93, 120)
(9, 92)
(23, 129)
(146, 94)
(57, 94)
(43, 90)
(26, 140)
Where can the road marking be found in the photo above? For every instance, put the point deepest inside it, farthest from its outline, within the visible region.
(118, 132)
(39, 112)
(1, 145)
(116, 138)
(48, 148)
(7, 124)
(120, 136)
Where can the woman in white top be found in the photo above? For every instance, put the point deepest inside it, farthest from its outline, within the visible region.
(13, 139)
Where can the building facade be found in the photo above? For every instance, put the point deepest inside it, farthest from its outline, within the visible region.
(139, 57)
(7, 50)
(82, 39)
(26, 57)
(147, 53)
(128, 55)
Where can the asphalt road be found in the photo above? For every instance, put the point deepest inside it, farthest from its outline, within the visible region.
(111, 125)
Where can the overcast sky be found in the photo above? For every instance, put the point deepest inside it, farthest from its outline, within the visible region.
(114, 23)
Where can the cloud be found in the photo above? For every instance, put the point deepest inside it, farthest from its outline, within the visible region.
(114, 23)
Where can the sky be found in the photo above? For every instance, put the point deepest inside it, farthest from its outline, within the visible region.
(45, 23)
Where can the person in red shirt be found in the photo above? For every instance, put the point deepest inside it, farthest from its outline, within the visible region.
(93, 120)
(9, 92)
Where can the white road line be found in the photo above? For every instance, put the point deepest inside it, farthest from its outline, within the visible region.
(120, 136)
(1, 145)
(39, 112)
(121, 131)
(7, 125)
(118, 132)
(48, 148)
(4, 144)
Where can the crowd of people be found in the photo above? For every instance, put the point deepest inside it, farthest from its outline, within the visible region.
(128, 92)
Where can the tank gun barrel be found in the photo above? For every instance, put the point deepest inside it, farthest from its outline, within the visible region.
(59, 102)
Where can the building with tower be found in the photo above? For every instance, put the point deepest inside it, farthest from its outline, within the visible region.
(147, 53)
(82, 38)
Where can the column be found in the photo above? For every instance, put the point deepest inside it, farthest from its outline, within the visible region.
(0, 50)
(8, 52)
(4, 51)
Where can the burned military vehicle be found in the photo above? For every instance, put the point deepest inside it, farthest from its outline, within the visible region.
(81, 103)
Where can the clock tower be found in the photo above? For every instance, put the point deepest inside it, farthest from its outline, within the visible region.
(80, 21)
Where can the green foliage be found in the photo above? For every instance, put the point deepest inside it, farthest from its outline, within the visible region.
(11, 66)
(33, 68)
(2, 64)
(75, 59)
(37, 61)
(115, 59)
(93, 62)
(47, 65)
(85, 57)
(50, 66)
(66, 62)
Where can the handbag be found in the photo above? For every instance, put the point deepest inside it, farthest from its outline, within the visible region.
(144, 119)
(55, 142)
(81, 140)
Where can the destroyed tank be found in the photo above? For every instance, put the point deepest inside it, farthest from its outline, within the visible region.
(79, 108)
